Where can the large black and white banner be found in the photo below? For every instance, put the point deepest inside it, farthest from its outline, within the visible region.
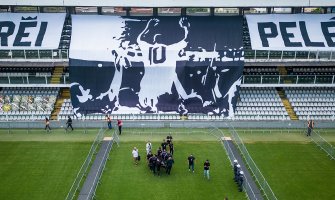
(155, 64)
(292, 32)
(30, 30)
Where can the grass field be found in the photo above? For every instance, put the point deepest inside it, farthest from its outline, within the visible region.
(294, 166)
(36, 165)
(39, 165)
(137, 182)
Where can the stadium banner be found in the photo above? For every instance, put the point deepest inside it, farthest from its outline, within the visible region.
(31, 30)
(292, 32)
(155, 64)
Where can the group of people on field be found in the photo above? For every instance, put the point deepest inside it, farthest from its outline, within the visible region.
(118, 121)
(163, 158)
(238, 176)
(69, 124)
(191, 163)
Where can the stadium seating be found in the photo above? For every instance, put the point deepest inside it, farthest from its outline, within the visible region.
(67, 110)
(316, 103)
(260, 104)
(27, 103)
(260, 71)
(23, 75)
(66, 34)
(253, 104)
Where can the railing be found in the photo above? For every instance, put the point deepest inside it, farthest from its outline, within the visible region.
(246, 79)
(288, 79)
(323, 144)
(101, 168)
(83, 170)
(252, 166)
(31, 79)
(52, 54)
(296, 56)
(219, 134)
(249, 55)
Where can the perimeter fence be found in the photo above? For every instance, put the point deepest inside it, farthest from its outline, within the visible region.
(262, 182)
(85, 166)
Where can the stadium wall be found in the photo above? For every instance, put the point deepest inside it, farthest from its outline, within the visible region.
(172, 124)
(173, 3)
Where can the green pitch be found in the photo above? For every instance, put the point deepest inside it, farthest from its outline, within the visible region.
(39, 165)
(124, 180)
(36, 165)
(294, 167)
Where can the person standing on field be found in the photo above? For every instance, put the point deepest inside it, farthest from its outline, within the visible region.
(240, 181)
(206, 169)
(235, 168)
(191, 160)
(163, 145)
(69, 123)
(169, 164)
(119, 124)
(148, 147)
(135, 155)
(47, 125)
(109, 122)
(171, 147)
(310, 126)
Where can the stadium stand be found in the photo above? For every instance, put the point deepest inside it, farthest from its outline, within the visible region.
(316, 103)
(311, 71)
(254, 103)
(32, 75)
(260, 71)
(260, 104)
(27, 103)
(66, 34)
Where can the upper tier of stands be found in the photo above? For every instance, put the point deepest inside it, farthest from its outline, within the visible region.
(62, 52)
(66, 34)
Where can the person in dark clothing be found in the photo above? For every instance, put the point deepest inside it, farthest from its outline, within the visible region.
(171, 147)
(164, 155)
(109, 122)
(69, 123)
(169, 138)
(149, 155)
(235, 169)
(158, 166)
(159, 152)
(169, 164)
(238, 169)
(206, 169)
(191, 160)
(119, 124)
(47, 125)
(310, 126)
(240, 181)
(152, 163)
(163, 145)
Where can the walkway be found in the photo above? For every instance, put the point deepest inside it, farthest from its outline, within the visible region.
(250, 186)
(92, 179)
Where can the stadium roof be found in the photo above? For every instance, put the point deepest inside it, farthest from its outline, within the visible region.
(174, 3)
